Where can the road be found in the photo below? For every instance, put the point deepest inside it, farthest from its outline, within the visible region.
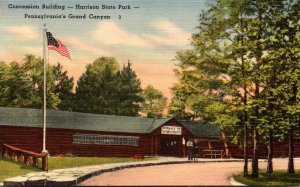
(216, 173)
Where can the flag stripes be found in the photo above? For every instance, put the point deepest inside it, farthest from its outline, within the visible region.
(57, 45)
(61, 49)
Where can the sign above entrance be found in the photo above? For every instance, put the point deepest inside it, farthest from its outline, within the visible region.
(171, 130)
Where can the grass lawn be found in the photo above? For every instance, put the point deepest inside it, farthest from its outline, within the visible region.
(69, 162)
(10, 168)
(278, 178)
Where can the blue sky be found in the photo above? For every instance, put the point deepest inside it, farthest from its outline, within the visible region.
(149, 36)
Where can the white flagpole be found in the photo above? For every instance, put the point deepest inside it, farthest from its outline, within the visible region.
(45, 47)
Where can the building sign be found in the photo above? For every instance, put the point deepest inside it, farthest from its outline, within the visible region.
(171, 130)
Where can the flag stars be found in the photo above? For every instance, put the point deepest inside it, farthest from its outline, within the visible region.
(57, 45)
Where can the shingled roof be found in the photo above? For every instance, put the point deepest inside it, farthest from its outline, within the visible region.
(202, 129)
(76, 120)
(26, 117)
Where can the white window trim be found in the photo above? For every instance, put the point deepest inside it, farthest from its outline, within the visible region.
(105, 139)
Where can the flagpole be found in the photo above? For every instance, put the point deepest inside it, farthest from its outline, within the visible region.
(45, 47)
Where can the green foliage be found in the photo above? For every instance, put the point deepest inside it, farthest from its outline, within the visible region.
(95, 91)
(104, 89)
(178, 106)
(15, 86)
(154, 102)
(129, 92)
(34, 68)
(23, 85)
(177, 109)
(278, 178)
(243, 68)
(63, 87)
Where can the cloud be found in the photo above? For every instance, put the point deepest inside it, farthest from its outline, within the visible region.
(167, 34)
(23, 32)
(112, 34)
(77, 44)
(173, 35)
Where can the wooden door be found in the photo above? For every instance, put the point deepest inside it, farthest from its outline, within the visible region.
(169, 147)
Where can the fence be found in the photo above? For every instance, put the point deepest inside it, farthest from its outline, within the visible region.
(27, 157)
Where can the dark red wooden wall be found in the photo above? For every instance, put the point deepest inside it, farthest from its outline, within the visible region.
(157, 136)
(60, 141)
(281, 149)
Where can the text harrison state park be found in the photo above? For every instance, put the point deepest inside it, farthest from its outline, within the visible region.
(63, 7)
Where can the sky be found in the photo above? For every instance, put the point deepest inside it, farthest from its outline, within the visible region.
(148, 35)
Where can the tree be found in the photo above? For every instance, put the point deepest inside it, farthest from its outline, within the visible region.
(217, 69)
(96, 88)
(232, 65)
(15, 86)
(104, 89)
(129, 92)
(178, 106)
(177, 109)
(154, 102)
(279, 71)
(34, 69)
(4, 76)
(63, 87)
(292, 49)
(288, 44)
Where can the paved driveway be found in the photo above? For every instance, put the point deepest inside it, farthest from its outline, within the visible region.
(217, 173)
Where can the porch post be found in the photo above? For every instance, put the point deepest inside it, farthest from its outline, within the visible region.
(155, 145)
(182, 147)
(152, 146)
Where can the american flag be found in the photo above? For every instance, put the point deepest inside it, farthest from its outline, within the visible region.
(57, 45)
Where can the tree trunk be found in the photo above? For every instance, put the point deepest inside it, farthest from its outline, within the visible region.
(245, 151)
(255, 171)
(259, 53)
(291, 168)
(270, 153)
(245, 115)
(245, 173)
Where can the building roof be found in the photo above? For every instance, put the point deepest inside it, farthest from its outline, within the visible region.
(202, 129)
(75, 120)
(96, 122)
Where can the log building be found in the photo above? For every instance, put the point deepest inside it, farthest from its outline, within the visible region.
(84, 134)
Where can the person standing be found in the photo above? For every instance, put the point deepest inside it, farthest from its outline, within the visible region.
(189, 145)
(195, 151)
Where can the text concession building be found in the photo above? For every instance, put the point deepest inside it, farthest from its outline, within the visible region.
(85, 134)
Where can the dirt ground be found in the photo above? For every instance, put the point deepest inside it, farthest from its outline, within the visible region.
(217, 173)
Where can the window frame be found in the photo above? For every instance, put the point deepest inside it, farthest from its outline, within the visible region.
(101, 139)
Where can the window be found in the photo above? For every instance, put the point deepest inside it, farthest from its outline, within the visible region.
(105, 139)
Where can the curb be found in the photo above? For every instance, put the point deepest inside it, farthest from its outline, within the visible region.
(79, 179)
(235, 183)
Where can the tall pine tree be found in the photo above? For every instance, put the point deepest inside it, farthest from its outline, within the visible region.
(63, 87)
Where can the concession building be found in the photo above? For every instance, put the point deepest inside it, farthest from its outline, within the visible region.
(84, 134)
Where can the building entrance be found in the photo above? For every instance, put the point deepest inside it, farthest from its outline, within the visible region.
(169, 147)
